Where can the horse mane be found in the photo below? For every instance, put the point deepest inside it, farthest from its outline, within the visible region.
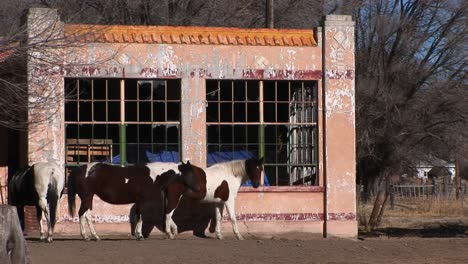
(237, 167)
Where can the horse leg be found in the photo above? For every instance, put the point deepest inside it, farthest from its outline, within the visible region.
(219, 215)
(173, 195)
(40, 218)
(232, 215)
(91, 226)
(85, 217)
(45, 211)
(139, 222)
(84, 207)
(171, 227)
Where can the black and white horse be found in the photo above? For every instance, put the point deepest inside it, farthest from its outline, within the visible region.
(40, 185)
(217, 184)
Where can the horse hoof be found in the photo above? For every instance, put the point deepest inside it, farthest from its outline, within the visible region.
(96, 238)
(140, 238)
(240, 238)
(49, 240)
(219, 236)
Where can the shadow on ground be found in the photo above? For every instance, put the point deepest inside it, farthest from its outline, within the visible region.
(439, 231)
(190, 215)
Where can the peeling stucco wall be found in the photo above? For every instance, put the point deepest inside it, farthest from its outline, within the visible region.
(45, 87)
(339, 123)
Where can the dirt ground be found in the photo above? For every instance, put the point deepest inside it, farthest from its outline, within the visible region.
(444, 244)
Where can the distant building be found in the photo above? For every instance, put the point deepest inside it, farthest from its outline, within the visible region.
(424, 166)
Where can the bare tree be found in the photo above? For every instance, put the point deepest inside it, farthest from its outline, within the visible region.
(411, 83)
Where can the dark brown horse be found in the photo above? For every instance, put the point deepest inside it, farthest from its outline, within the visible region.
(123, 185)
(217, 184)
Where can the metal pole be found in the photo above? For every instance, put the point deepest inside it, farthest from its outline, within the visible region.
(122, 128)
(270, 14)
(261, 131)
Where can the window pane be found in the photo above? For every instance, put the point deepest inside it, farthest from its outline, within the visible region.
(240, 91)
(145, 111)
(159, 112)
(212, 91)
(226, 91)
(113, 89)
(252, 90)
(145, 88)
(173, 111)
(240, 111)
(226, 112)
(71, 111)
(131, 89)
(253, 111)
(85, 89)
(212, 112)
(85, 111)
(100, 111)
(114, 111)
(173, 90)
(131, 111)
(99, 89)
(145, 134)
(71, 89)
(159, 90)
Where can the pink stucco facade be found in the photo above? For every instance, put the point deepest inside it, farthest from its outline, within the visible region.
(327, 209)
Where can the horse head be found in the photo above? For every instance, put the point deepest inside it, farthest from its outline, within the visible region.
(254, 168)
(189, 176)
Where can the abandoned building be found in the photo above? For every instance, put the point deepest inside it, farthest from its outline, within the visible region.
(136, 94)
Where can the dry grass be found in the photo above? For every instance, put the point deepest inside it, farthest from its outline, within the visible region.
(417, 211)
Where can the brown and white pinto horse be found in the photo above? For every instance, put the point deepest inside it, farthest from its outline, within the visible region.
(217, 184)
(123, 185)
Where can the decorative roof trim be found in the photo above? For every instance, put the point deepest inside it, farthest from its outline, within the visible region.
(191, 35)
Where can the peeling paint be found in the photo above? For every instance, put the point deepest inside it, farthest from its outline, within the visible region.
(340, 101)
(97, 219)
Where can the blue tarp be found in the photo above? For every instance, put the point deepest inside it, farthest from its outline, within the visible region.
(213, 158)
(163, 156)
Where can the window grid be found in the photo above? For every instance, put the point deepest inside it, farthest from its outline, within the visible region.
(92, 127)
(287, 115)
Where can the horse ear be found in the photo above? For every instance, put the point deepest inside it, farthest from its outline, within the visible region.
(188, 162)
(261, 160)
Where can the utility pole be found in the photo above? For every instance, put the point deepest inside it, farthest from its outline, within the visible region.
(269, 14)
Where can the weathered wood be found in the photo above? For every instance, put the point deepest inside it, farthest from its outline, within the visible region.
(13, 245)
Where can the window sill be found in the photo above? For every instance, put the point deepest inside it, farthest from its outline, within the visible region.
(282, 189)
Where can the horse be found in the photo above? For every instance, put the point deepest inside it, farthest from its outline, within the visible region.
(218, 184)
(136, 184)
(40, 185)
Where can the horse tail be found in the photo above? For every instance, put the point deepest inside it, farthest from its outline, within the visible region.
(52, 197)
(71, 192)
